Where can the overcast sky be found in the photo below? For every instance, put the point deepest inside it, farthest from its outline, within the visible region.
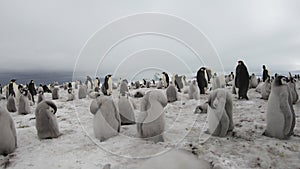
(35, 35)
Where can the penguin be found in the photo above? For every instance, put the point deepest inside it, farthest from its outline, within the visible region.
(201, 109)
(11, 104)
(171, 93)
(124, 87)
(46, 89)
(253, 81)
(219, 112)
(178, 81)
(89, 83)
(148, 84)
(218, 81)
(46, 122)
(292, 86)
(97, 82)
(82, 92)
(71, 95)
(280, 111)
(41, 97)
(242, 80)
(194, 91)
(175, 159)
(266, 89)
(24, 106)
(165, 79)
(151, 122)
(107, 85)
(6, 91)
(139, 94)
(55, 94)
(160, 84)
(259, 87)
(93, 95)
(202, 80)
(77, 83)
(137, 84)
(126, 111)
(8, 135)
(106, 122)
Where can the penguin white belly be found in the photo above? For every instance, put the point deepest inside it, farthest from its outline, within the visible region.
(275, 119)
(213, 119)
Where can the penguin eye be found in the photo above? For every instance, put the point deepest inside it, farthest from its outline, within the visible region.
(51, 110)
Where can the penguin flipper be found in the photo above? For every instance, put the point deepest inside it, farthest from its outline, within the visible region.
(285, 109)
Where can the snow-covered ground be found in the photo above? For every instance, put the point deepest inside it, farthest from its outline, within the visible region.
(78, 148)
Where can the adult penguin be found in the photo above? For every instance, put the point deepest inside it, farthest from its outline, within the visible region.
(166, 79)
(89, 83)
(105, 85)
(265, 73)
(11, 91)
(32, 91)
(201, 80)
(97, 82)
(242, 80)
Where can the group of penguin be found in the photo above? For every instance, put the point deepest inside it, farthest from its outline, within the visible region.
(109, 116)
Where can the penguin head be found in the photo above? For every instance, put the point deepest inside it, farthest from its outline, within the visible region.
(52, 106)
(280, 80)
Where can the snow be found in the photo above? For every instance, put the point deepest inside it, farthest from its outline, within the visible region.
(78, 148)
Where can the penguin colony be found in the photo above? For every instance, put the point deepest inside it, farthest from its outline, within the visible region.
(108, 117)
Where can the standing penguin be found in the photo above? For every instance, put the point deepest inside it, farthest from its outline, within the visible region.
(71, 95)
(201, 80)
(266, 89)
(280, 111)
(106, 122)
(89, 83)
(124, 87)
(165, 79)
(219, 112)
(11, 104)
(242, 80)
(151, 123)
(292, 86)
(24, 106)
(194, 91)
(253, 81)
(171, 93)
(32, 91)
(126, 110)
(41, 97)
(82, 92)
(55, 94)
(107, 85)
(8, 135)
(97, 82)
(160, 84)
(178, 81)
(46, 122)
